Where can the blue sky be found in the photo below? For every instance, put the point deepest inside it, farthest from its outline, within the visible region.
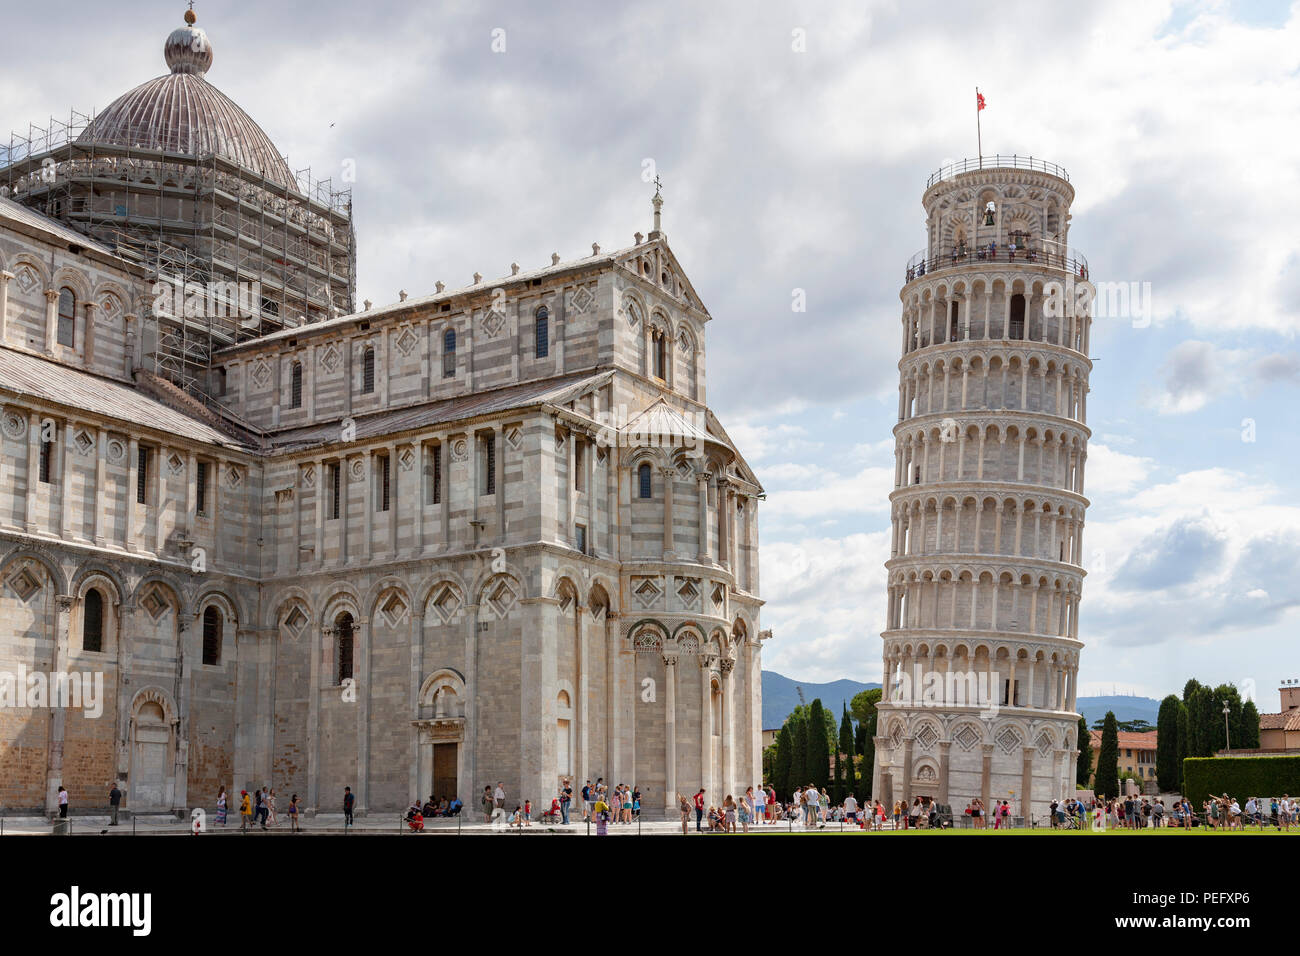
(794, 141)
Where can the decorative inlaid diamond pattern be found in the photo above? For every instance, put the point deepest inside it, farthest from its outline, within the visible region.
(1008, 740)
(502, 599)
(514, 437)
(27, 280)
(394, 609)
(406, 460)
(445, 604)
(175, 464)
(582, 299)
(261, 375)
(1044, 744)
(492, 323)
(647, 592)
(24, 584)
(896, 736)
(233, 477)
(688, 593)
(330, 359)
(309, 476)
(927, 737)
(155, 604)
(110, 305)
(85, 442)
(406, 341)
(967, 737)
(296, 621)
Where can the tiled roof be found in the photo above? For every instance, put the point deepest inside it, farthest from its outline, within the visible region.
(415, 302)
(17, 212)
(553, 391)
(661, 421)
(29, 375)
(1287, 720)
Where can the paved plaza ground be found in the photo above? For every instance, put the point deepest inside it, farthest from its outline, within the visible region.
(389, 824)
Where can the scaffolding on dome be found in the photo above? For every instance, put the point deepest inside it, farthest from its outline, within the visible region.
(247, 255)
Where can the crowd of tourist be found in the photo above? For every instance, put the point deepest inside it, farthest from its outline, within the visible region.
(811, 807)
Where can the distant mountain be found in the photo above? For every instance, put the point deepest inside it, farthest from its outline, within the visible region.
(1125, 708)
(780, 696)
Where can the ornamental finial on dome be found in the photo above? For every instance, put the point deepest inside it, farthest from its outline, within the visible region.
(187, 49)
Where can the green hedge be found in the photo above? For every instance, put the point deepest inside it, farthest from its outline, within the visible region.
(1240, 777)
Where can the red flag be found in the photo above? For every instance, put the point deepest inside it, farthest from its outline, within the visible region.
(979, 102)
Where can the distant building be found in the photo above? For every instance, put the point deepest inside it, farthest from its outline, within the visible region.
(1281, 731)
(1137, 754)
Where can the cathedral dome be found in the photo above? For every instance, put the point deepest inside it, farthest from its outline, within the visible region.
(181, 112)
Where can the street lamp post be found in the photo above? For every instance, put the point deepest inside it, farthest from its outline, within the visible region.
(1226, 738)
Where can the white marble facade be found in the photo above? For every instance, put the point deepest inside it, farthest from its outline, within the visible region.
(981, 646)
(491, 534)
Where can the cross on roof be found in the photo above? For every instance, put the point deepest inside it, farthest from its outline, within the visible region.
(658, 184)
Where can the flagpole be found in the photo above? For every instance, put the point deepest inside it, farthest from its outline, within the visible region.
(979, 141)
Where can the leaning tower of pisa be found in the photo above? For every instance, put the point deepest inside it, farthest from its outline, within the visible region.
(981, 647)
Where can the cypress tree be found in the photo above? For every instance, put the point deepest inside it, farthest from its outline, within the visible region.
(1182, 742)
(1167, 765)
(1249, 726)
(846, 745)
(819, 754)
(1209, 721)
(781, 765)
(1083, 767)
(1107, 780)
(863, 707)
(798, 756)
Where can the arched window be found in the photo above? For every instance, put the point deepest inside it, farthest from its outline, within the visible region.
(661, 355)
(1017, 317)
(368, 371)
(344, 627)
(953, 312)
(449, 354)
(211, 635)
(295, 397)
(67, 317)
(92, 621)
(543, 332)
(643, 479)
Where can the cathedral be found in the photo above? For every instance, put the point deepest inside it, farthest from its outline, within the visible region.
(492, 533)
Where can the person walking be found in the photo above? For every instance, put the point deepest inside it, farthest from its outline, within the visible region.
(63, 802)
(636, 802)
(349, 801)
(245, 811)
(221, 806)
(759, 796)
(499, 795)
(114, 801)
(293, 813)
(270, 808)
